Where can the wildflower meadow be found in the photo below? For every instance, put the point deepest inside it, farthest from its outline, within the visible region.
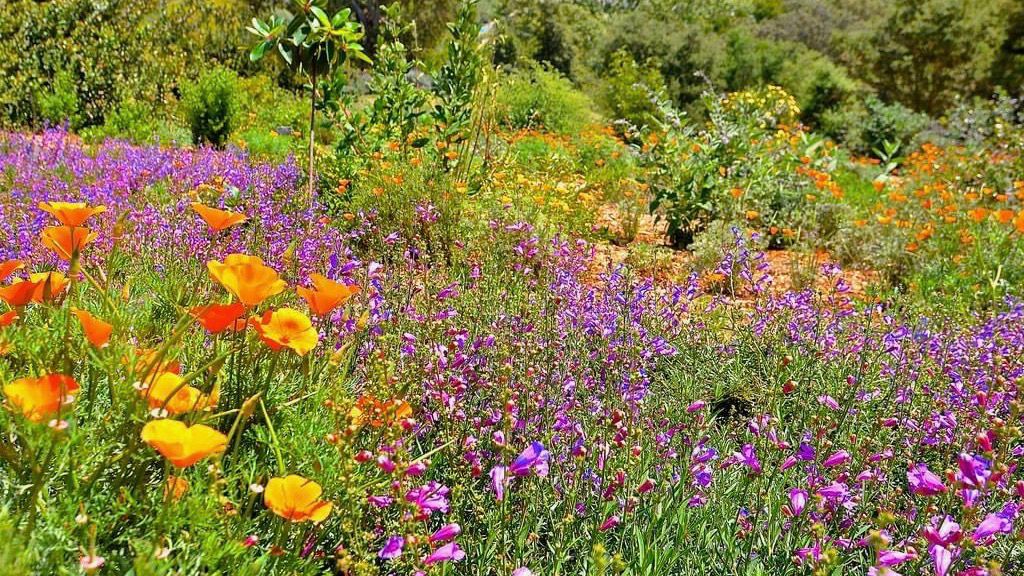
(500, 288)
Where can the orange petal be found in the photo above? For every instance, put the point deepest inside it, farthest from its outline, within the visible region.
(7, 268)
(217, 318)
(66, 241)
(71, 213)
(218, 219)
(97, 332)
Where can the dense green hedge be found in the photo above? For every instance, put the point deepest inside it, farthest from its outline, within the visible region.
(75, 60)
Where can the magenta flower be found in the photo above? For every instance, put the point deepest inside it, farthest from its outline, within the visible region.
(924, 482)
(839, 458)
(797, 500)
(446, 533)
(449, 551)
(498, 482)
(392, 548)
(533, 458)
(429, 498)
(996, 523)
(609, 523)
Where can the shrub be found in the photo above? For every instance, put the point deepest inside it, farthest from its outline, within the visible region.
(867, 127)
(211, 106)
(60, 104)
(629, 87)
(541, 98)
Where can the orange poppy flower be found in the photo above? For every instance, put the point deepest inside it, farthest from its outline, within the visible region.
(377, 413)
(39, 398)
(752, 214)
(71, 213)
(218, 219)
(145, 358)
(247, 278)
(217, 318)
(7, 268)
(97, 332)
(286, 328)
(49, 285)
(168, 391)
(66, 241)
(296, 499)
(8, 318)
(978, 214)
(175, 488)
(181, 444)
(326, 294)
(18, 294)
(1005, 216)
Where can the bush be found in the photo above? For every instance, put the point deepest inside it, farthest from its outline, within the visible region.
(867, 127)
(100, 53)
(541, 98)
(629, 88)
(211, 106)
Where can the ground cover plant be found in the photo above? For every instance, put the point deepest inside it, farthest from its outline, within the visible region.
(533, 296)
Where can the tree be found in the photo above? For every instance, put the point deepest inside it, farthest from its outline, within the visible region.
(313, 44)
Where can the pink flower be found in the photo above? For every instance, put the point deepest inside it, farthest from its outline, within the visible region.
(609, 523)
(449, 551)
(839, 458)
(498, 482)
(91, 563)
(797, 500)
(924, 482)
(446, 533)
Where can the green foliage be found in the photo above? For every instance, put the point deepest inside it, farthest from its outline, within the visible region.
(398, 104)
(211, 106)
(542, 99)
(630, 88)
(456, 81)
(930, 50)
(61, 103)
(867, 127)
(92, 55)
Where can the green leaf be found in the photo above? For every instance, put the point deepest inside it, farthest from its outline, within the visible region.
(258, 51)
(321, 16)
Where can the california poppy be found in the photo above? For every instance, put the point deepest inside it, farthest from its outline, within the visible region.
(175, 488)
(287, 328)
(181, 444)
(326, 294)
(97, 332)
(66, 241)
(8, 318)
(48, 285)
(376, 413)
(218, 219)
(7, 268)
(296, 499)
(71, 213)
(39, 398)
(247, 278)
(19, 293)
(145, 362)
(168, 391)
(217, 318)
